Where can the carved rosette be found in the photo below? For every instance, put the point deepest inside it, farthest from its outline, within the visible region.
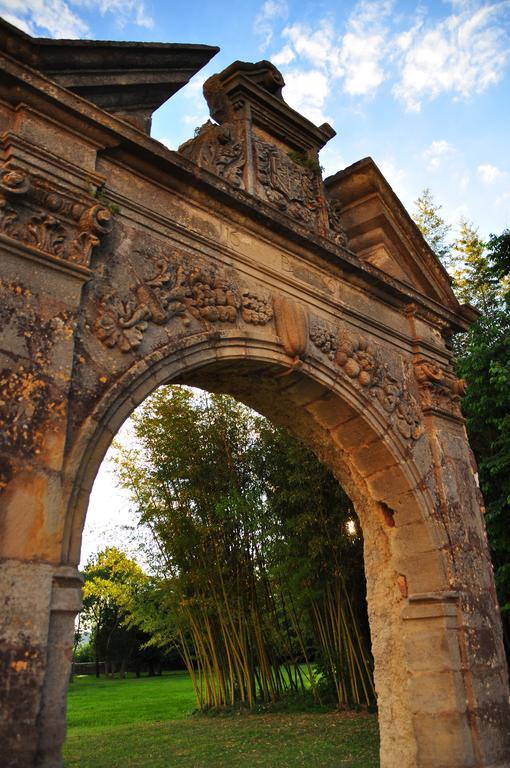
(175, 289)
(370, 374)
(439, 389)
(49, 220)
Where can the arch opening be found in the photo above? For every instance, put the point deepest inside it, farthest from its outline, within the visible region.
(368, 461)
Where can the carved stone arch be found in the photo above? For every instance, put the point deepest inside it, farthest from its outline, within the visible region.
(405, 570)
(232, 265)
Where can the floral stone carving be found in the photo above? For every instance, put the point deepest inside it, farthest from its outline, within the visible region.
(324, 339)
(363, 365)
(49, 220)
(175, 290)
(337, 231)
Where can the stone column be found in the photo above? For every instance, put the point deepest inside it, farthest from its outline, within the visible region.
(39, 605)
(478, 701)
(51, 723)
(48, 229)
(482, 657)
(25, 595)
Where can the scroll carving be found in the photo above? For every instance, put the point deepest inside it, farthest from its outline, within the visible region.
(218, 149)
(439, 389)
(337, 231)
(175, 290)
(48, 220)
(364, 366)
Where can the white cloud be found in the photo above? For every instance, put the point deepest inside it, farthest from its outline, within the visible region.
(489, 173)
(283, 57)
(22, 24)
(47, 16)
(307, 92)
(264, 21)
(60, 18)
(320, 57)
(126, 11)
(436, 152)
(198, 112)
(316, 47)
(363, 47)
(331, 159)
(463, 182)
(462, 54)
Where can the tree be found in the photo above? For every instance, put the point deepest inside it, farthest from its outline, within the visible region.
(499, 250)
(475, 278)
(317, 561)
(432, 225)
(211, 481)
(111, 582)
(485, 364)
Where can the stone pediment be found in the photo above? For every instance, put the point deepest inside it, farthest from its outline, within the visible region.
(380, 231)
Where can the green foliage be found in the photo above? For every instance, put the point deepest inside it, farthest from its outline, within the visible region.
(485, 364)
(475, 279)
(84, 652)
(499, 249)
(310, 163)
(99, 193)
(244, 519)
(112, 583)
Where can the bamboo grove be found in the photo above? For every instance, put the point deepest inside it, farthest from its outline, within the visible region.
(255, 555)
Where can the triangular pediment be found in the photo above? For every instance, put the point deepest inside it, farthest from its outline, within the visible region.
(380, 231)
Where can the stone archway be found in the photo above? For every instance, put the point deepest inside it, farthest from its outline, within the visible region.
(232, 266)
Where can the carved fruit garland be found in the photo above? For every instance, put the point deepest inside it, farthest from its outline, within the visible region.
(362, 364)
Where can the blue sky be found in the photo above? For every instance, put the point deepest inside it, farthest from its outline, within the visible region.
(422, 87)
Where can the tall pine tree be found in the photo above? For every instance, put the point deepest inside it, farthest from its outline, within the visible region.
(432, 225)
(475, 279)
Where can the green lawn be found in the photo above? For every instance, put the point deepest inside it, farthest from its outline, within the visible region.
(146, 722)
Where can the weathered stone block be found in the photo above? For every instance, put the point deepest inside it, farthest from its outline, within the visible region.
(443, 740)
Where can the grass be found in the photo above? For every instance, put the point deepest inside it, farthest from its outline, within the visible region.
(134, 723)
